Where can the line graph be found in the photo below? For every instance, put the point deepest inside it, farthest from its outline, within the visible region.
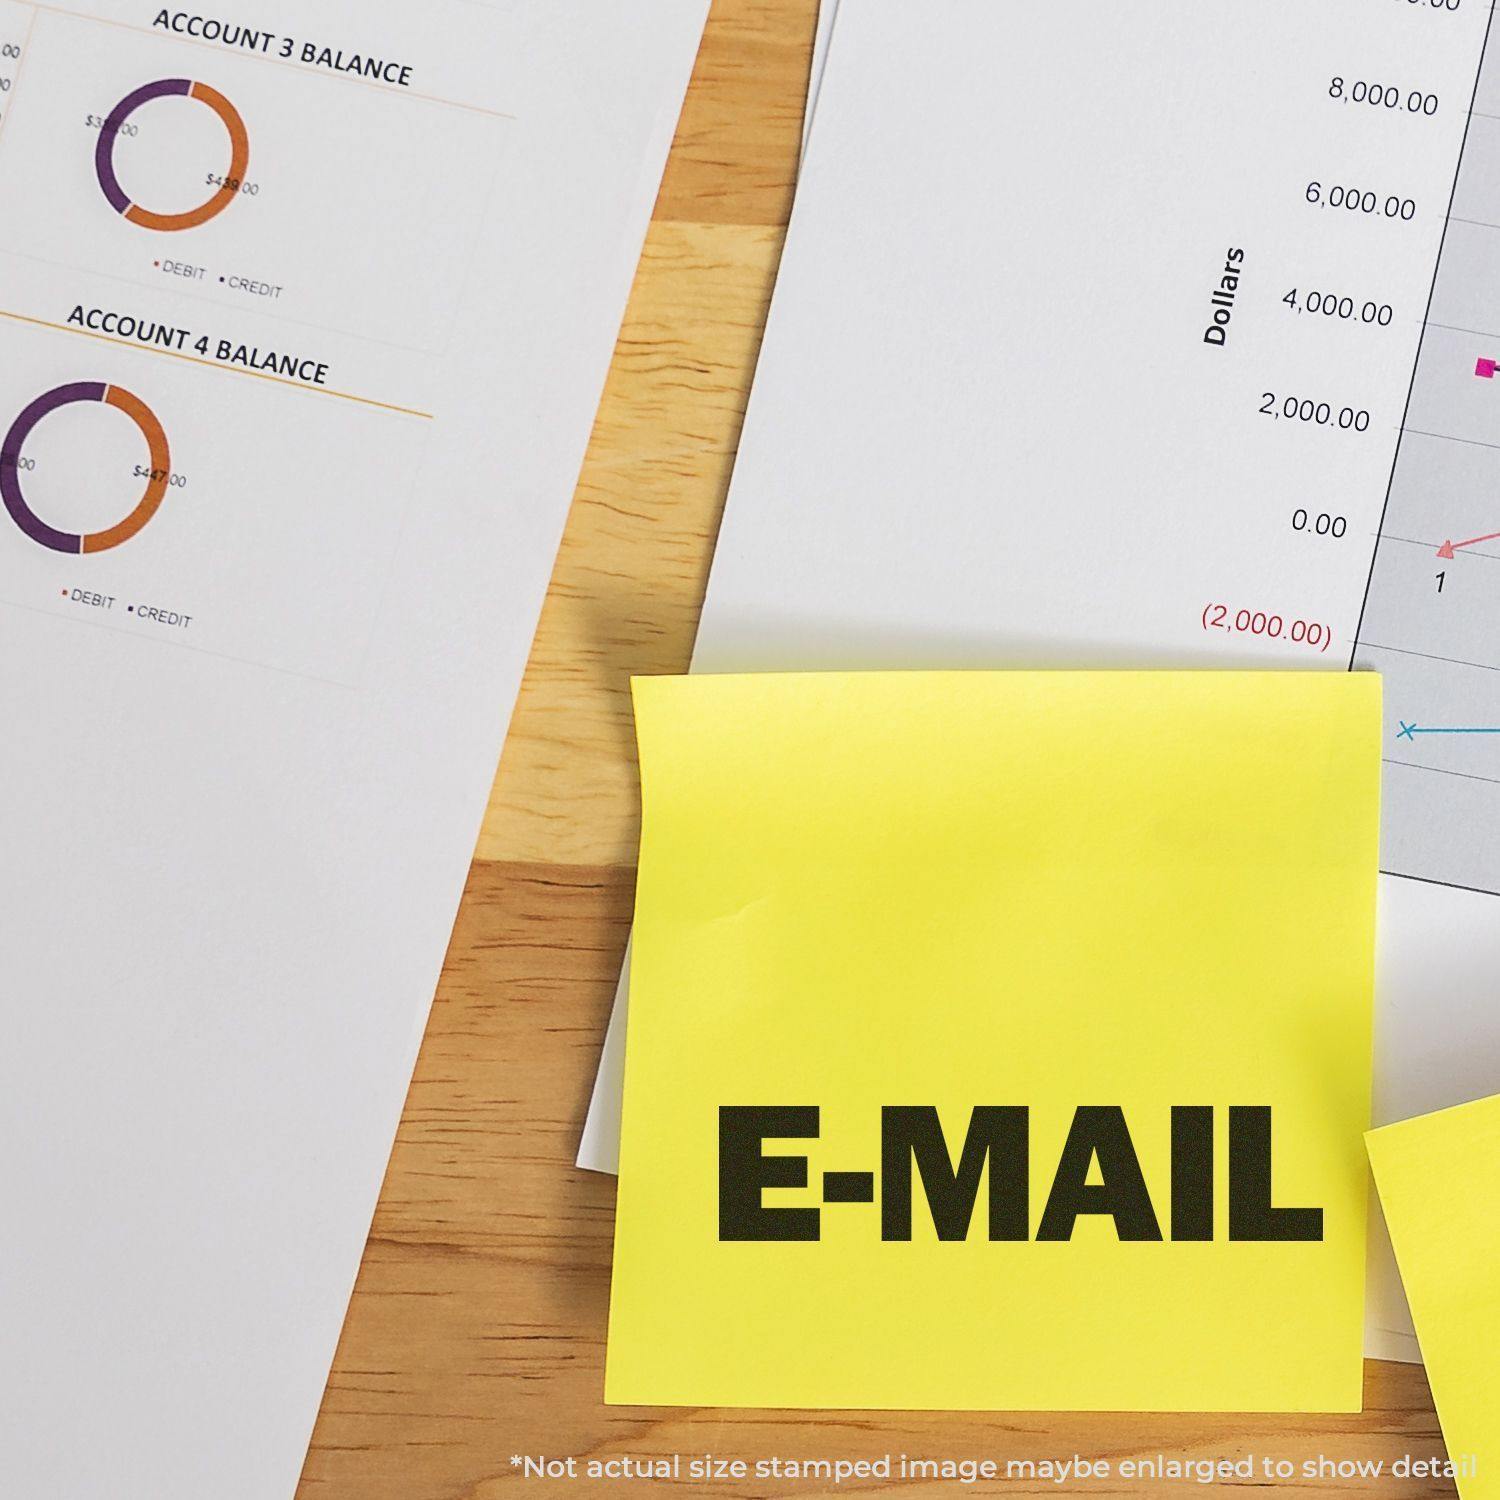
(1431, 622)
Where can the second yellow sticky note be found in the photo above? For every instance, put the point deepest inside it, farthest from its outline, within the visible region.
(1441, 1196)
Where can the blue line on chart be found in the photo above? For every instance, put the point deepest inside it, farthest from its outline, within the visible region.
(1411, 731)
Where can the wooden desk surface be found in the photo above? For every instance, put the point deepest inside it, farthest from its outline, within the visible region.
(477, 1328)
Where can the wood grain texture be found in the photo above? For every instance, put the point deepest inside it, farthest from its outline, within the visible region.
(477, 1328)
(633, 565)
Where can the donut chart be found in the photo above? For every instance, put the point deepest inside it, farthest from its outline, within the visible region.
(167, 88)
(78, 543)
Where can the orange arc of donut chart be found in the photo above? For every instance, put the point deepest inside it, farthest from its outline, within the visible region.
(161, 465)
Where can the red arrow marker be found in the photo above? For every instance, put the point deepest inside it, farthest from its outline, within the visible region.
(1448, 549)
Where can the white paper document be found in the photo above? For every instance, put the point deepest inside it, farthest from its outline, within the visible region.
(827, 13)
(305, 310)
(1102, 337)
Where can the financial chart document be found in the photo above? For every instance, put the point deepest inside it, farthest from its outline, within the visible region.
(1160, 336)
(183, 274)
(305, 310)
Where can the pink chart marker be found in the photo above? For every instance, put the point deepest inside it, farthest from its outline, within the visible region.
(1485, 369)
(1451, 549)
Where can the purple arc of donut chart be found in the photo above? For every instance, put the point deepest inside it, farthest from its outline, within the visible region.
(158, 476)
(21, 513)
(104, 151)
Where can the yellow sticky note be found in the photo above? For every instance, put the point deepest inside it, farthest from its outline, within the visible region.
(999, 1040)
(1441, 1195)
